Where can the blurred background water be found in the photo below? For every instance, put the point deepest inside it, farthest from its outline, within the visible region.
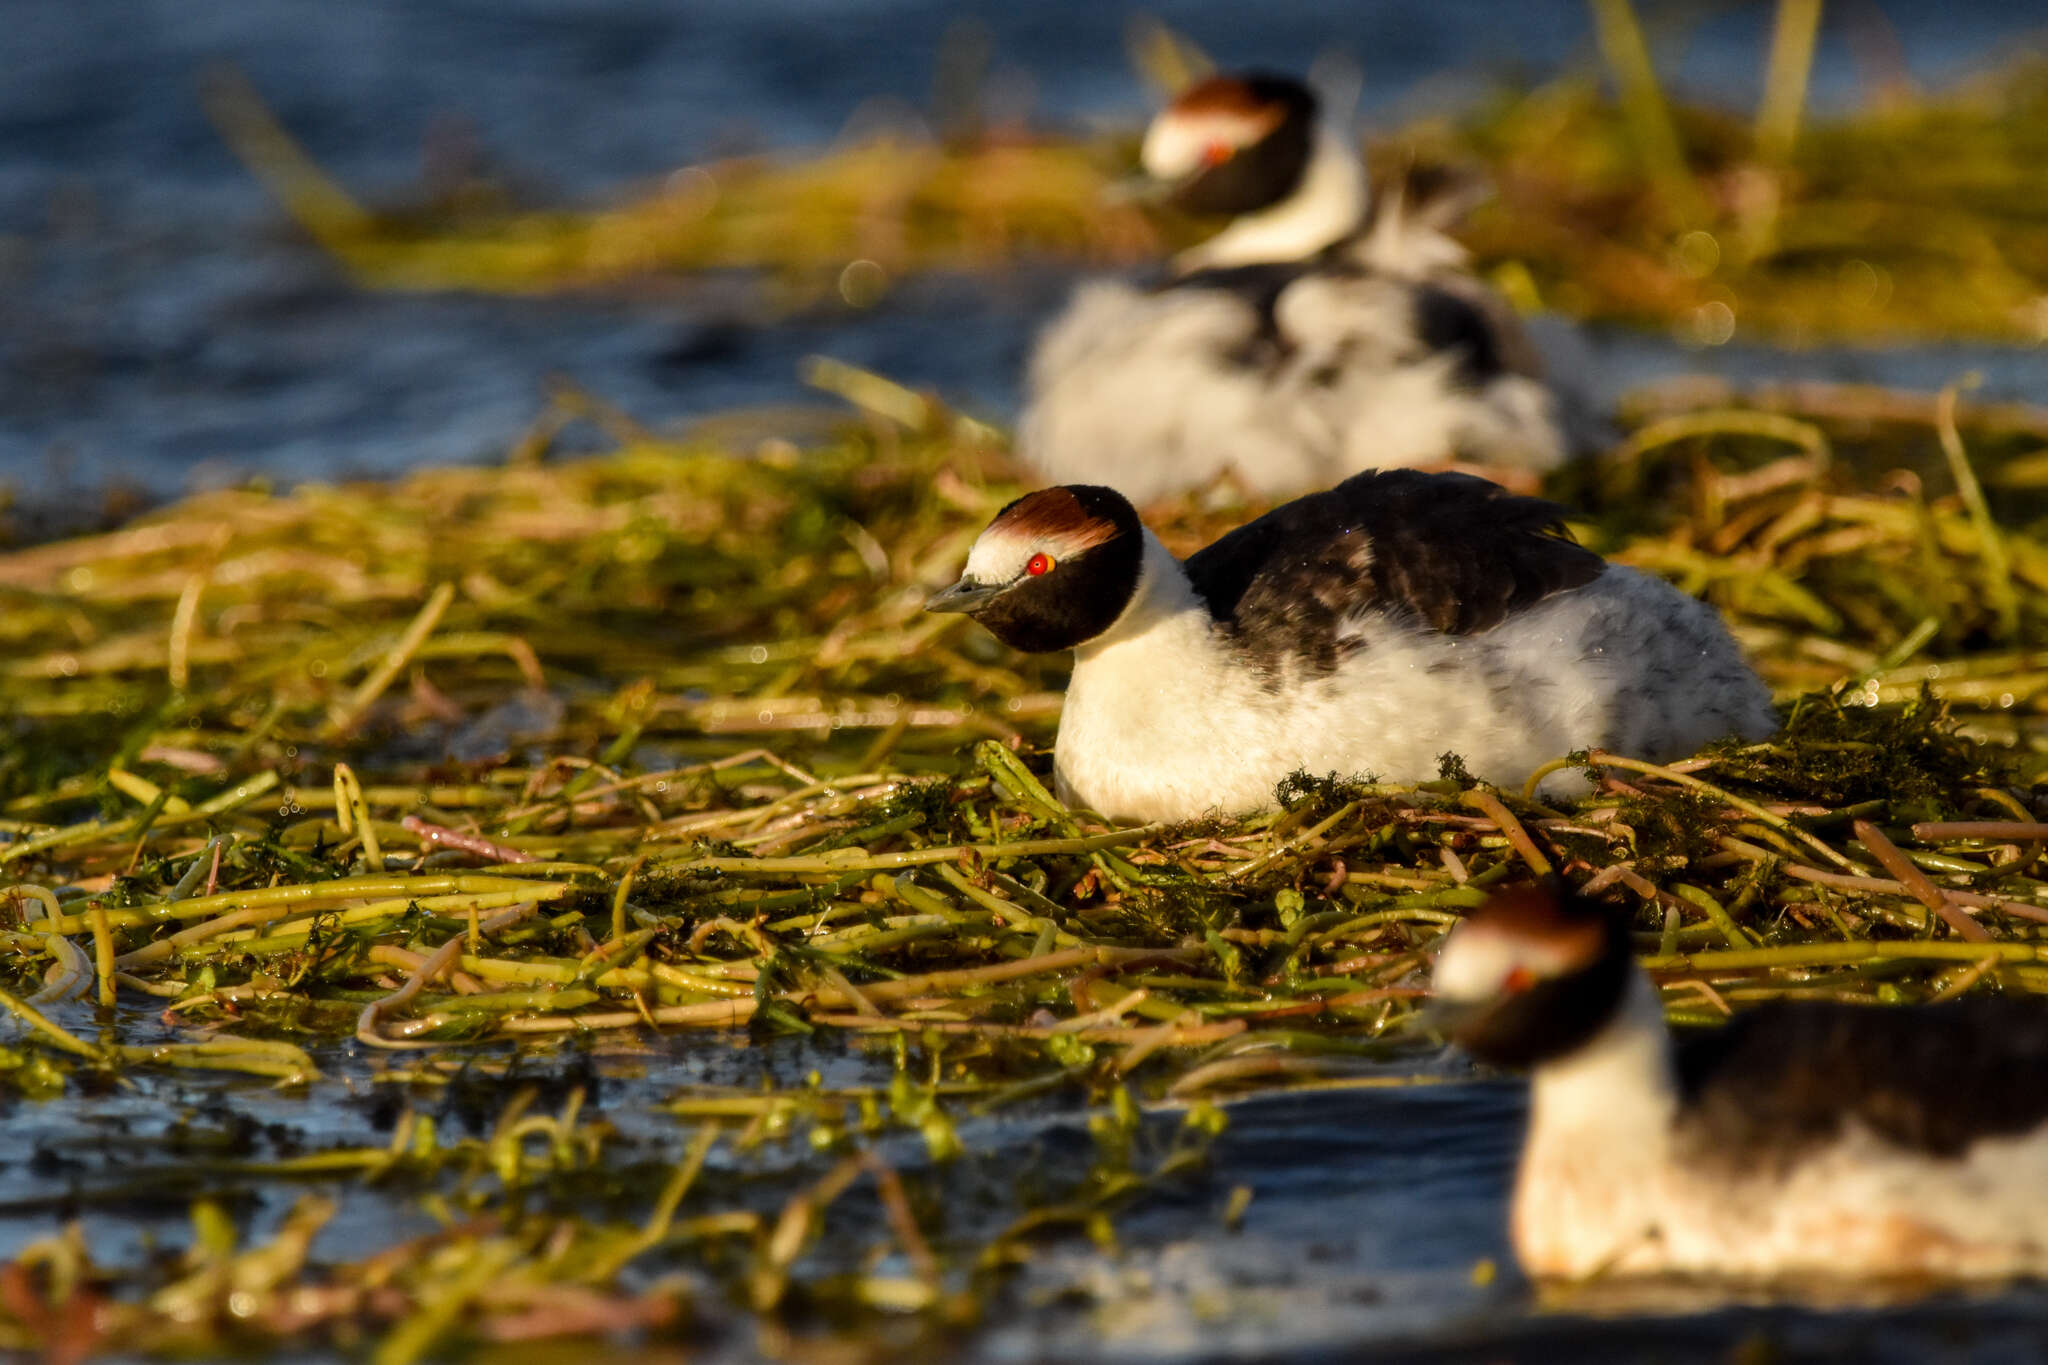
(161, 325)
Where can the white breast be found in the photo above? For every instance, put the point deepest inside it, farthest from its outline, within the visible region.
(1166, 721)
(1588, 1192)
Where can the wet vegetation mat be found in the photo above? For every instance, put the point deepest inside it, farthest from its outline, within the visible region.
(1916, 217)
(604, 902)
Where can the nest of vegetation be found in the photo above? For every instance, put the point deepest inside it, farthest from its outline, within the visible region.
(399, 787)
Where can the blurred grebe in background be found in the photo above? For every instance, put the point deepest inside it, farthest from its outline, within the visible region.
(1804, 1138)
(1309, 339)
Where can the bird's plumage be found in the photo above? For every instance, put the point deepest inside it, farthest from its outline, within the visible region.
(1459, 553)
(1317, 335)
(1366, 631)
(1804, 1138)
(1789, 1076)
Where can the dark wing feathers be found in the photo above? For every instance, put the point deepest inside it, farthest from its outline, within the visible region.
(1258, 288)
(1931, 1079)
(1448, 316)
(1457, 552)
(1294, 603)
(1449, 322)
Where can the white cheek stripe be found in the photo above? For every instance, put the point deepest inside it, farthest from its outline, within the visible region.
(1175, 143)
(1000, 557)
(1477, 962)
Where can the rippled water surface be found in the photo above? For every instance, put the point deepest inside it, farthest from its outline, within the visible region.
(160, 327)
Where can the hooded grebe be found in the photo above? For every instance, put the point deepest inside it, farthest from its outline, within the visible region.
(1804, 1138)
(1369, 629)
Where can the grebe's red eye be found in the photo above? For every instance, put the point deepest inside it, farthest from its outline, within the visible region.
(1040, 563)
(1216, 153)
(1518, 980)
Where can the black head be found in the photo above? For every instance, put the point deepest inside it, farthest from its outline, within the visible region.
(1232, 145)
(1055, 569)
(1532, 975)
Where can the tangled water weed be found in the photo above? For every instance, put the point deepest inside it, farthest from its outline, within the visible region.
(471, 792)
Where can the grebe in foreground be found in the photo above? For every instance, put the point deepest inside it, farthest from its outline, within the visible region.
(1802, 1139)
(1367, 630)
(1306, 341)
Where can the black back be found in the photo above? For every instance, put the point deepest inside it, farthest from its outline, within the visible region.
(1440, 320)
(1458, 553)
(1258, 287)
(1932, 1078)
(1444, 321)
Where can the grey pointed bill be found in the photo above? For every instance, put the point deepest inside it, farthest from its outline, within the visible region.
(964, 596)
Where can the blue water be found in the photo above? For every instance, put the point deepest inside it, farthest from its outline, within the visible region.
(160, 327)
(1375, 1226)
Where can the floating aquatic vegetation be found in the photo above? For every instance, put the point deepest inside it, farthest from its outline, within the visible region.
(496, 776)
(848, 221)
(1907, 221)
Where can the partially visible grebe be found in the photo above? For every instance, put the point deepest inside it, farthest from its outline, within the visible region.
(1804, 1138)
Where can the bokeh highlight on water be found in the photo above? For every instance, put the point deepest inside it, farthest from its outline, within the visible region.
(159, 326)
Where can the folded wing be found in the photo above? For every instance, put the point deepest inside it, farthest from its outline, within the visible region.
(1933, 1080)
(1457, 553)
